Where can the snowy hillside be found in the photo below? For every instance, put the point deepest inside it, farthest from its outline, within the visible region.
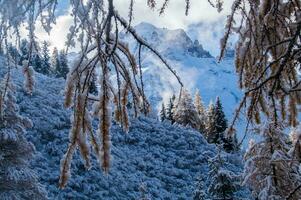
(196, 67)
(167, 159)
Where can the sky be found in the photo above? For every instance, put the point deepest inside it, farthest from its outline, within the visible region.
(174, 18)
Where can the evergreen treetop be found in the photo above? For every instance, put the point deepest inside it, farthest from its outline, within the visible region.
(163, 113)
(220, 118)
(186, 113)
(63, 69)
(222, 183)
(200, 108)
(170, 110)
(55, 62)
(46, 67)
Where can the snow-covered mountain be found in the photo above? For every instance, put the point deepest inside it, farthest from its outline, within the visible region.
(167, 159)
(196, 67)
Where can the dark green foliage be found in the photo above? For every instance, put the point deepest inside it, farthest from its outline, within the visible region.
(24, 51)
(1, 50)
(220, 118)
(13, 53)
(93, 88)
(163, 113)
(230, 143)
(216, 127)
(59, 64)
(37, 63)
(45, 69)
(216, 122)
(63, 69)
(170, 109)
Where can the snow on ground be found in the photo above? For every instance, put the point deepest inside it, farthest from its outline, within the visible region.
(168, 159)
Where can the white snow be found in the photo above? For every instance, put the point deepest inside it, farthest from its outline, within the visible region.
(167, 159)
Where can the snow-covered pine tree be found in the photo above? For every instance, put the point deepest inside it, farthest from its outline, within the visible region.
(269, 170)
(201, 110)
(222, 183)
(55, 62)
(46, 67)
(170, 110)
(163, 113)
(63, 65)
(216, 123)
(17, 180)
(186, 113)
(210, 133)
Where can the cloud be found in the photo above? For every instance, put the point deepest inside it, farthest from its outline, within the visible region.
(173, 18)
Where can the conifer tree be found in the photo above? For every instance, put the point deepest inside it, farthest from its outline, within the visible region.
(171, 109)
(220, 118)
(186, 113)
(17, 180)
(269, 170)
(222, 183)
(229, 142)
(55, 62)
(13, 53)
(63, 69)
(163, 113)
(210, 132)
(199, 105)
(45, 59)
(216, 123)
(37, 63)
